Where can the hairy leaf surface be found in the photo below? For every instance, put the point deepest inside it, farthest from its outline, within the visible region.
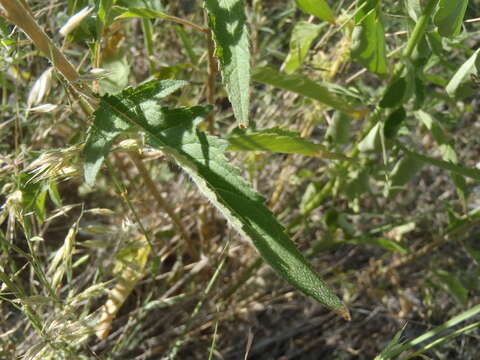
(280, 141)
(309, 88)
(227, 22)
(202, 157)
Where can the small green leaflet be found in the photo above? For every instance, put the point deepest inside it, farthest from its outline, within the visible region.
(202, 157)
(368, 36)
(304, 86)
(449, 17)
(279, 141)
(227, 22)
(318, 8)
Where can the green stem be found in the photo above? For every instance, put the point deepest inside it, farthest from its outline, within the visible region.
(147, 33)
(419, 29)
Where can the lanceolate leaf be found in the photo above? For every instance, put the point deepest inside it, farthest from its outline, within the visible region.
(449, 17)
(227, 22)
(280, 141)
(309, 88)
(319, 8)
(202, 157)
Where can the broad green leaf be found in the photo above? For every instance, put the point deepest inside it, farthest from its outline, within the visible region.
(202, 157)
(393, 122)
(117, 78)
(395, 93)
(318, 8)
(464, 82)
(227, 22)
(302, 37)
(449, 17)
(102, 134)
(309, 88)
(281, 141)
(339, 129)
(404, 171)
(368, 37)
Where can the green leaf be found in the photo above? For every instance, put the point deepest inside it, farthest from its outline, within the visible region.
(339, 129)
(117, 78)
(318, 8)
(449, 17)
(383, 243)
(393, 122)
(227, 22)
(303, 35)
(306, 87)
(405, 169)
(280, 141)
(414, 9)
(368, 38)
(202, 157)
(143, 13)
(102, 134)
(458, 169)
(395, 93)
(464, 83)
(371, 142)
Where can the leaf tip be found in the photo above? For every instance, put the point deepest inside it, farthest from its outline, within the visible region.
(346, 315)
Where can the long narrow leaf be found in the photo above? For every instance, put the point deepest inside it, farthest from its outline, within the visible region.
(280, 141)
(458, 169)
(306, 87)
(202, 157)
(227, 22)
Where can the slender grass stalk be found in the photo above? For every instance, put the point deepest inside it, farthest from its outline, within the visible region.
(163, 204)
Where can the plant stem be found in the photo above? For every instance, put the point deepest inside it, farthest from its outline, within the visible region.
(147, 33)
(21, 17)
(419, 29)
(162, 202)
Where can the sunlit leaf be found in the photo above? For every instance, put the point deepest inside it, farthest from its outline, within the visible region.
(304, 86)
(318, 8)
(280, 141)
(465, 81)
(227, 22)
(202, 157)
(302, 37)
